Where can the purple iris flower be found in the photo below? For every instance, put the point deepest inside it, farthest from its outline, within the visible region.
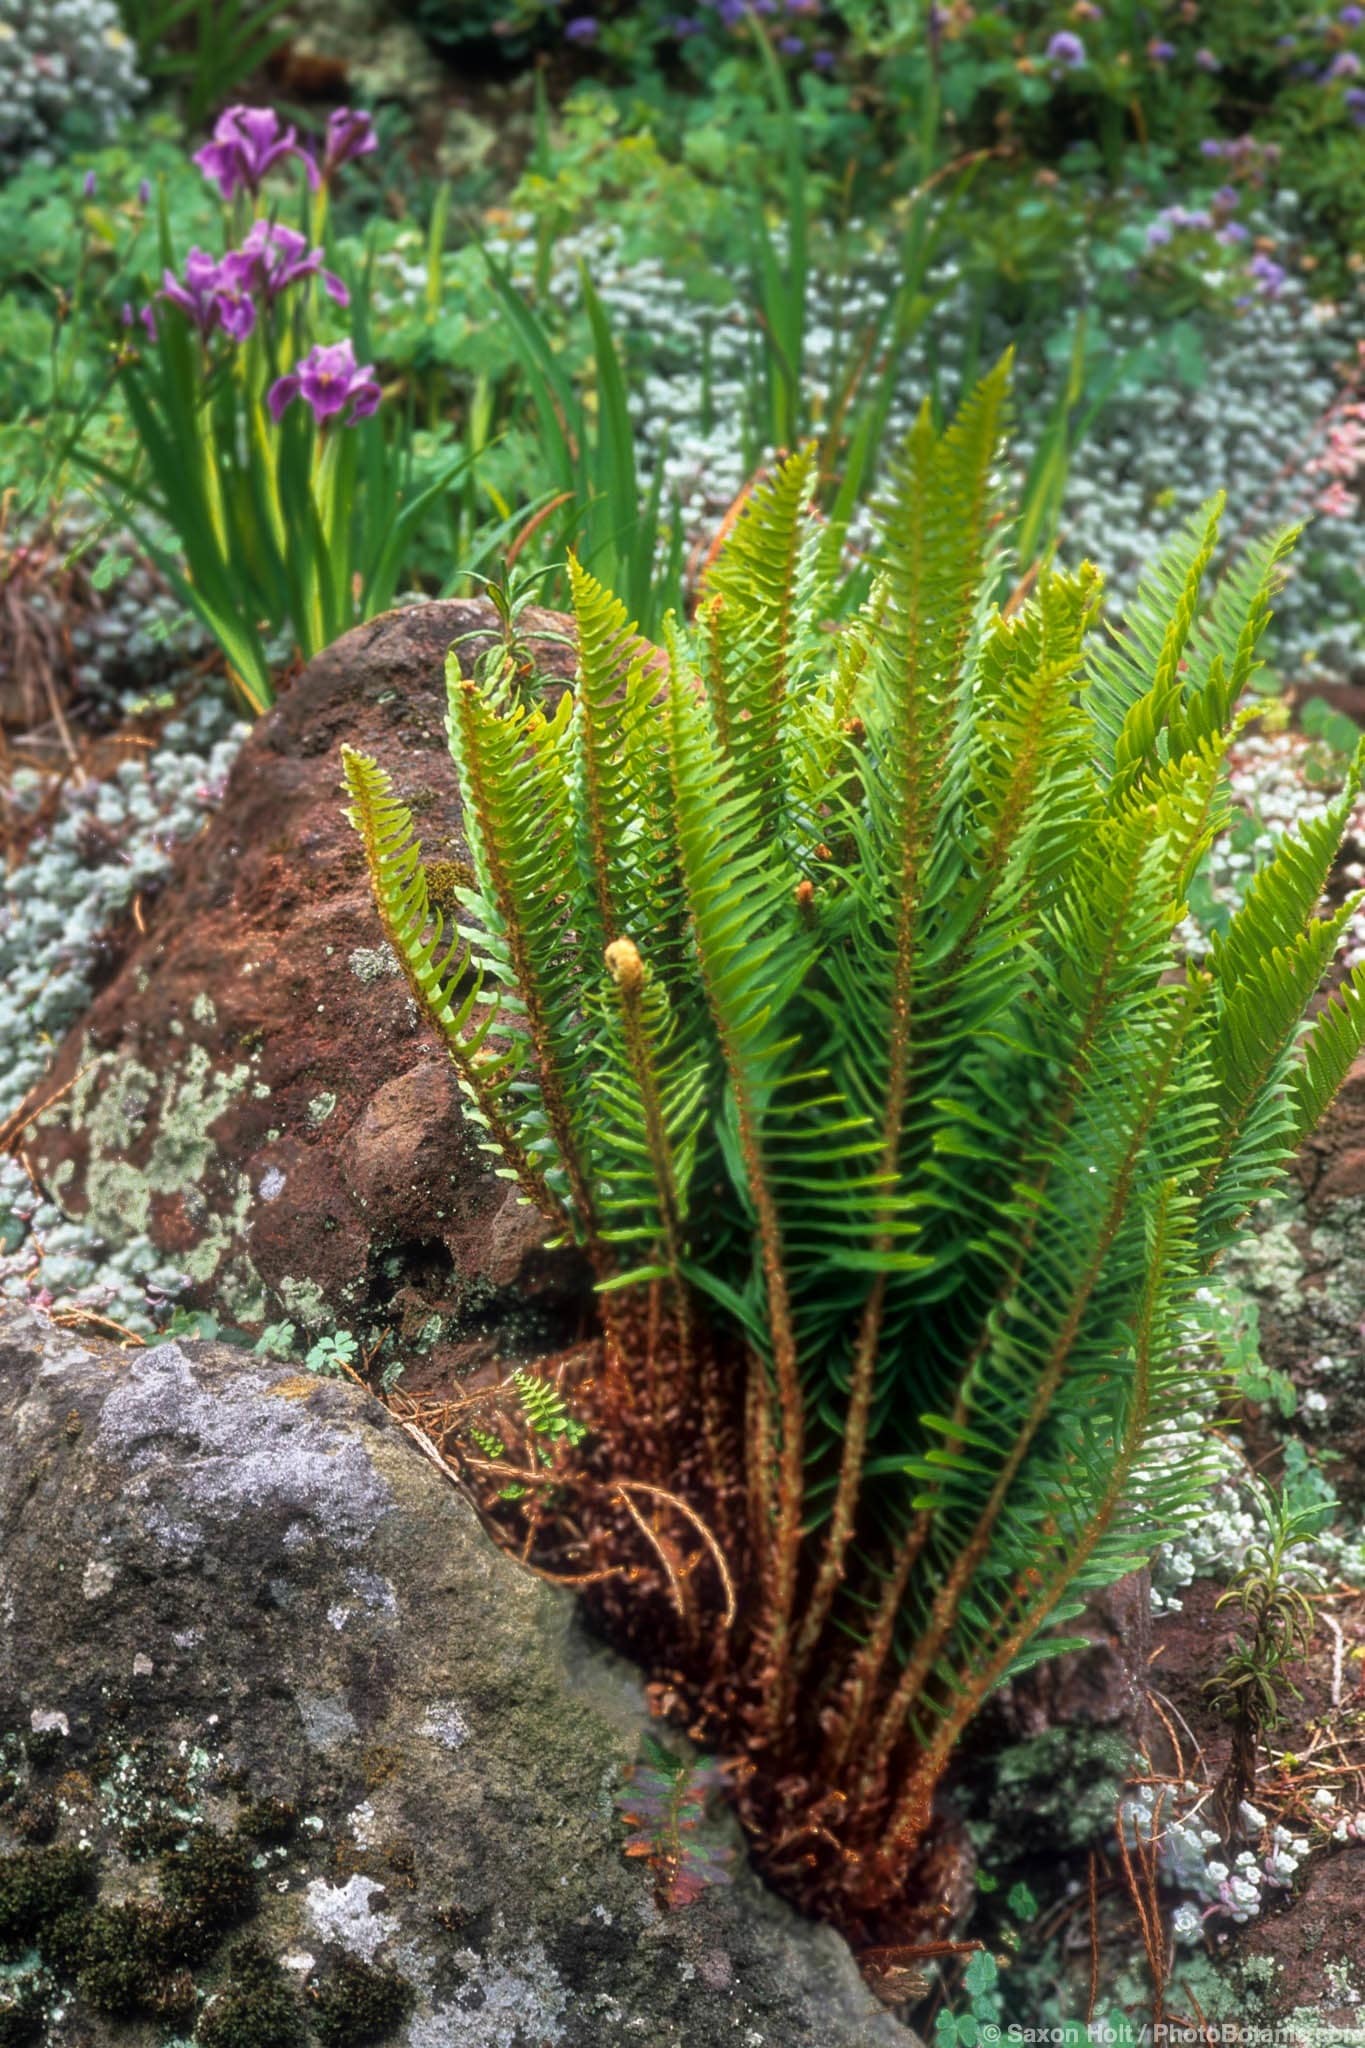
(1066, 48)
(1355, 105)
(236, 306)
(144, 192)
(1352, 16)
(214, 292)
(90, 184)
(583, 28)
(1206, 60)
(329, 381)
(732, 12)
(247, 142)
(1159, 52)
(280, 256)
(350, 133)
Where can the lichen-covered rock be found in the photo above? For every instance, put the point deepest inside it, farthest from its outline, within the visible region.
(253, 1092)
(326, 1754)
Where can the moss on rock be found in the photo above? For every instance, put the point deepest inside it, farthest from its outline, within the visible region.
(256, 2008)
(37, 1886)
(361, 2002)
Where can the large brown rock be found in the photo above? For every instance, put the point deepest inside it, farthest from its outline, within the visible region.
(254, 1089)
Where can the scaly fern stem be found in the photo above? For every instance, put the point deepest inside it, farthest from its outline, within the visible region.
(865, 1676)
(947, 1602)
(911, 1815)
(627, 972)
(862, 1379)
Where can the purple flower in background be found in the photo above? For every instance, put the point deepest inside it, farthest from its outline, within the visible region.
(1211, 147)
(582, 29)
(790, 46)
(809, 7)
(732, 12)
(1345, 64)
(350, 133)
(1352, 16)
(247, 142)
(1355, 105)
(1227, 198)
(279, 256)
(144, 192)
(823, 60)
(1234, 232)
(1268, 274)
(212, 293)
(1159, 233)
(685, 25)
(90, 184)
(1206, 60)
(1159, 52)
(329, 381)
(1066, 49)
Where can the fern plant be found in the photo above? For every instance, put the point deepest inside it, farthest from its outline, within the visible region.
(827, 991)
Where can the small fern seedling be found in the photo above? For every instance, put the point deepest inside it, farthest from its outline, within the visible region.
(1271, 1598)
(665, 1808)
(542, 1404)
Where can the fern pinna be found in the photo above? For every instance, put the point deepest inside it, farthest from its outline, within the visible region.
(826, 988)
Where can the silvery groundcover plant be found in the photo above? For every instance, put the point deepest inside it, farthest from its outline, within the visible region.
(681, 727)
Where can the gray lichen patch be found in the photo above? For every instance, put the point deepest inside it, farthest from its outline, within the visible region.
(345, 1916)
(370, 963)
(326, 1719)
(238, 1449)
(521, 1999)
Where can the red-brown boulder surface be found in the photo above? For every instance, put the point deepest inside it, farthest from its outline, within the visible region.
(254, 1089)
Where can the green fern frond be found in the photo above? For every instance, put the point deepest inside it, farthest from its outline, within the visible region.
(449, 988)
(750, 594)
(1327, 1054)
(1135, 677)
